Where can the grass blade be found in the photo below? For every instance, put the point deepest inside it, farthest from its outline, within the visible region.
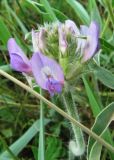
(80, 11)
(49, 10)
(108, 5)
(23, 28)
(4, 32)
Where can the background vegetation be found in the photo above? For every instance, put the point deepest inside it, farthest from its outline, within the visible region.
(19, 109)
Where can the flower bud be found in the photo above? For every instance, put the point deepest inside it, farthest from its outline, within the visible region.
(38, 40)
(70, 27)
(62, 40)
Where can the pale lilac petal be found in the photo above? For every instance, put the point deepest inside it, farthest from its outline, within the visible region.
(92, 42)
(54, 66)
(81, 41)
(43, 69)
(37, 66)
(18, 59)
(70, 26)
(62, 39)
(84, 30)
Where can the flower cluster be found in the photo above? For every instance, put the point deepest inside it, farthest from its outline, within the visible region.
(46, 71)
(85, 37)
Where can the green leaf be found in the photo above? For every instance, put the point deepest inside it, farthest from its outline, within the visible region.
(95, 152)
(101, 124)
(4, 32)
(105, 76)
(80, 11)
(49, 10)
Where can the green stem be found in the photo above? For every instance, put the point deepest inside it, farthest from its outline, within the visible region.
(110, 10)
(41, 148)
(60, 111)
(77, 146)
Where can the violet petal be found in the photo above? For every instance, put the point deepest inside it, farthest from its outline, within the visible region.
(18, 59)
(92, 42)
(53, 86)
(81, 41)
(37, 66)
(43, 68)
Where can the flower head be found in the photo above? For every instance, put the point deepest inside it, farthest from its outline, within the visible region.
(47, 72)
(18, 59)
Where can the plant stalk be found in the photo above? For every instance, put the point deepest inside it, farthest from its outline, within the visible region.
(77, 146)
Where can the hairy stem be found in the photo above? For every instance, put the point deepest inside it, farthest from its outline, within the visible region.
(77, 146)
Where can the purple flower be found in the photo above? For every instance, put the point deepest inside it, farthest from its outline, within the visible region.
(18, 59)
(47, 72)
(62, 39)
(89, 46)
